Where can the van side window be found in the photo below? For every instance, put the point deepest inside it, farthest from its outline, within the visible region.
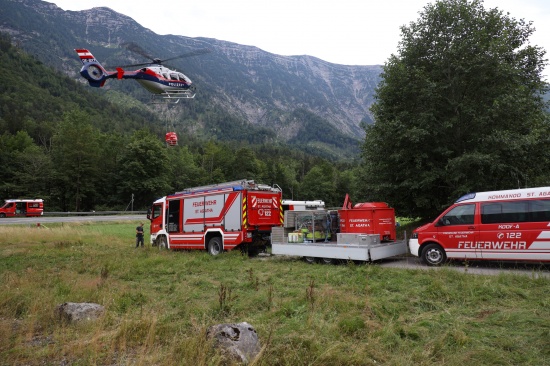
(505, 212)
(460, 215)
(540, 210)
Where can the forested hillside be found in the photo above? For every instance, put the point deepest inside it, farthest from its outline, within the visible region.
(70, 145)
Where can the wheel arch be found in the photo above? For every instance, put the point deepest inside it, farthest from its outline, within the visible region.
(164, 237)
(426, 243)
(212, 234)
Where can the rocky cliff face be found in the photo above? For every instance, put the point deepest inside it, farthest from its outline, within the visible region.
(265, 87)
(259, 87)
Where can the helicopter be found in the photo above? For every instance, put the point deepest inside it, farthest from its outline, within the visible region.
(162, 82)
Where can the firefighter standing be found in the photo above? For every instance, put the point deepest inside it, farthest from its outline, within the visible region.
(139, 235)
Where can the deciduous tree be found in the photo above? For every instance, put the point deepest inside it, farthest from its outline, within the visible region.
(145, 174)
(75, 156)
(458, 109)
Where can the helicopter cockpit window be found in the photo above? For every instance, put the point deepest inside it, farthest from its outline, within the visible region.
(174, 76)
(182, 77)
(165, 76)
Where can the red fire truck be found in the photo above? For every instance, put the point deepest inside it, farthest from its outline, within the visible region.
(217, 217)
(22, 207)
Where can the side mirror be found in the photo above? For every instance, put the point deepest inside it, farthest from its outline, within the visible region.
(149, 214)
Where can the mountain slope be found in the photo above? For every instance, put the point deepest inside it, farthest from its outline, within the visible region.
(237, 83)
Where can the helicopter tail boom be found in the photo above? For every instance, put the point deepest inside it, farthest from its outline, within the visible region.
(92, 69)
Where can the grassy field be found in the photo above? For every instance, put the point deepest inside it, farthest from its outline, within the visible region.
(160, 303)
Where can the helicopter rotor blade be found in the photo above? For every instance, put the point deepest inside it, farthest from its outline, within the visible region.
(198, 52)
(131, 46)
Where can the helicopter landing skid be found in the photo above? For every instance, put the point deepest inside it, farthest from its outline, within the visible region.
(172, 97)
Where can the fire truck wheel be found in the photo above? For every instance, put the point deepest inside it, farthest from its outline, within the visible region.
(253, 252)
(161, 242)
(215, 246)
(433, 255)
(2, 215)
(309, 260)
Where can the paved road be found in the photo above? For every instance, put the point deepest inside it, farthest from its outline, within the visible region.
(51, 219)
(534, 270)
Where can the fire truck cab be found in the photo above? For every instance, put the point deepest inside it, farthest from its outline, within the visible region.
(217, 217)
(22, 207)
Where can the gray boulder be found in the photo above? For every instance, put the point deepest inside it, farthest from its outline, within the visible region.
(238, 341)
(75, 312)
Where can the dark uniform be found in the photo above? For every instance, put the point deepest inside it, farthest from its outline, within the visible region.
(139, 235)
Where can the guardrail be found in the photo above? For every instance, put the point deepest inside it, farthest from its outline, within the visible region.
(95, 213)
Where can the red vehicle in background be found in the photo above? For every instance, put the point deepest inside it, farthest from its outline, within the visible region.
(22, 207)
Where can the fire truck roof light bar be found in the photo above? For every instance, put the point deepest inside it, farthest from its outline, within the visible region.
(237, 185)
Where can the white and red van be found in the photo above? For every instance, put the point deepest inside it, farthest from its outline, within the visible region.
(497, 225)
(22, 207)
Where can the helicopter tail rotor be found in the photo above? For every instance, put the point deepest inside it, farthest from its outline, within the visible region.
(91, 68)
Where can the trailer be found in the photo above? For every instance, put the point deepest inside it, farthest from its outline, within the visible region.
(364, 232)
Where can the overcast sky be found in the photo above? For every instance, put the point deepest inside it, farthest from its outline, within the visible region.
(348, 32)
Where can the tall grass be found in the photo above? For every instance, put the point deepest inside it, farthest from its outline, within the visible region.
(160, 303)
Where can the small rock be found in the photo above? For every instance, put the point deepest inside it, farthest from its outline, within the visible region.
(75, 312)
(239, 341)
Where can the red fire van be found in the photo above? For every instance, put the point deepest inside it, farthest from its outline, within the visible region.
(22, 207)
(497, 225)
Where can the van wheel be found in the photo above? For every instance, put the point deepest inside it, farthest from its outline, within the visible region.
(434, 255)
(309, 260)
(162, 243)
(215, 246)
(328, 261)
